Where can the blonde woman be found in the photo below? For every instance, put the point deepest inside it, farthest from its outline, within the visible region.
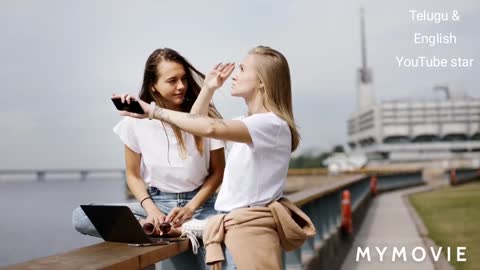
(250, 198)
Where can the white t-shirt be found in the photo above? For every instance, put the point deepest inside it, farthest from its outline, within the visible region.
(161, 164)
(255, 173)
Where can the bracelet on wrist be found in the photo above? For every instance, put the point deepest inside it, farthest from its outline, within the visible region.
(151, 110)
(141, 202)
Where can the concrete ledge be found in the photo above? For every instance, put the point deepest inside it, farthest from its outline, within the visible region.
(106, 255)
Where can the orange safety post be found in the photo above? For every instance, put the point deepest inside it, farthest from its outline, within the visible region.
(453, 177)
(347, 226)
(373, 184)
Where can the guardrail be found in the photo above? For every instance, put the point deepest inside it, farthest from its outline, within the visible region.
(463, 175)
(369, 171)
(326, 250)
(330, 246)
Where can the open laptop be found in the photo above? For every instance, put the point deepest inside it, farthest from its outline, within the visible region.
(117, 223)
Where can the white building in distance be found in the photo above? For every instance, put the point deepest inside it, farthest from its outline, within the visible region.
(410, 130)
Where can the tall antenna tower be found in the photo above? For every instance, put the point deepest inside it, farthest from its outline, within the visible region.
(365, 92)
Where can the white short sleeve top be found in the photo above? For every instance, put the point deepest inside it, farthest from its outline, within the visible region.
(255, 174)
(161, 163)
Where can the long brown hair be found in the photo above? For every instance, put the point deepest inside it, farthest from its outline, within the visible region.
(194, 81)
(273, 71)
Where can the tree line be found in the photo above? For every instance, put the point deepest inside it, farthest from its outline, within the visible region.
(313, 161)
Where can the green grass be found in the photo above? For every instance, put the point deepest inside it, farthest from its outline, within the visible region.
(452, 216)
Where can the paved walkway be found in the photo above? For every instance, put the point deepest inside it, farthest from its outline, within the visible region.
(388, 224)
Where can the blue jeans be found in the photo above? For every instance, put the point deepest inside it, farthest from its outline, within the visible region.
(228, 264)
(165, 202)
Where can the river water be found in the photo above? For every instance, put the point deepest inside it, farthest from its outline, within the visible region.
(35, 217)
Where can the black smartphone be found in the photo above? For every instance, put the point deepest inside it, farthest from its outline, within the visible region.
(134, 106)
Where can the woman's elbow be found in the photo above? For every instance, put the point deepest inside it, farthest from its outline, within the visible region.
(211, 130)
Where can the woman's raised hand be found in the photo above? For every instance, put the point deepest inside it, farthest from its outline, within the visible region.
(216, 77)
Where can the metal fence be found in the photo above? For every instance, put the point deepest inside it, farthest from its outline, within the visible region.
(325, 212)
(460, 176)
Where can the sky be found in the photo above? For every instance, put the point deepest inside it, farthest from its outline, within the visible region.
(62, 59)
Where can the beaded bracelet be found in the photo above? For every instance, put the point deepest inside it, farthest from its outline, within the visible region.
(151, 110)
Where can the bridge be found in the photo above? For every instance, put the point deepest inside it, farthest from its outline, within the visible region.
(41, 174)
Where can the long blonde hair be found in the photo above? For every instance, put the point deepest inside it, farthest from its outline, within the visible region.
(273, 71)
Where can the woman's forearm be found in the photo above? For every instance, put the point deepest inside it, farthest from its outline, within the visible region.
(213, 80)
(192, 123)
(204, 126)
(212, 181)
(137, 186)
(202, 103)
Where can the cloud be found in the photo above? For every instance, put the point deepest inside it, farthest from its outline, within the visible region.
(61, 60)
(16, 125)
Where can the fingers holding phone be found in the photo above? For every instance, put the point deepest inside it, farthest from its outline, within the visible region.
(130, 106)
(125, 98)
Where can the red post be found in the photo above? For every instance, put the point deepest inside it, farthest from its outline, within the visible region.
(453, 177)
(373, 184)
(347, 225)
